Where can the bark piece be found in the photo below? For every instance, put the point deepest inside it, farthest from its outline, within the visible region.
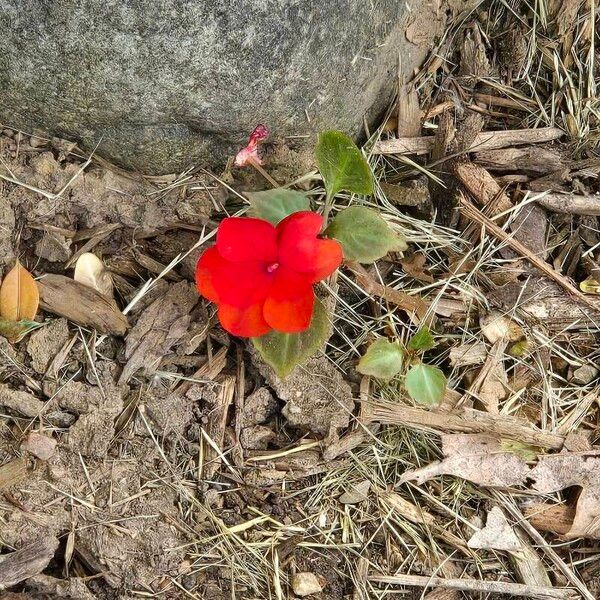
(487, 140)
(81, 304)
(572, 204)
(532, 160)
(465, 420)
(158, 329)
(26, 562)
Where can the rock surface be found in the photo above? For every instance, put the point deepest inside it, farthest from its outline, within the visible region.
(164, 85)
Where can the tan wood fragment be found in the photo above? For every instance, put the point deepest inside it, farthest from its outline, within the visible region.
(466, 420)
(81, 304)
(554, 518)
(487, 140)
(476, 585)
(482, 186)
(572, 204)
(30, 560)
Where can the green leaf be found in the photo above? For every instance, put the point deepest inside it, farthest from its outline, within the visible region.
(284, 351)
(425, 384)
(383, 359)
(275, 205)
(422, 340)
(342, 165)
(364, 235)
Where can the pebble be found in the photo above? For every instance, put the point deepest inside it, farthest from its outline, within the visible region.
(305, 584)
(41, 446)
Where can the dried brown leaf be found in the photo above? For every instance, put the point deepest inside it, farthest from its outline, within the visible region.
(19, 295)
(496, 535)
(479, 458)
(565, 470)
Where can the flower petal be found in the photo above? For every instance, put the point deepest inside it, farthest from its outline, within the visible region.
(327, 258)
(243, 322)
(302, 251)
(208, 263)
(245, 238)
(289, 305)
(237, 283)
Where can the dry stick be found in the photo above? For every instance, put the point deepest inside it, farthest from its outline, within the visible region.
(464, 420)
(571, 204)
(474, 585)
(259, 168)
(412, 305)
(474, 214)
(487, 140)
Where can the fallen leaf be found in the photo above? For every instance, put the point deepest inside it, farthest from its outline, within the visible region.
(19, 295)
(496, 327)
(468, 354)
(90, 271)
(479, 458)
(414, 265)
(582, 469)
(490, 385)
(496, 535)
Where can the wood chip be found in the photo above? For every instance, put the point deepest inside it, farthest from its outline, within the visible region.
(26, 562)
(487, 140)
(81, 304)
(464, 420)
(571, 204)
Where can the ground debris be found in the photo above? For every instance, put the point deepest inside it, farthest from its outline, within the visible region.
(40, 446)
(479, 458)
(30, 560)
(158, 329)
(44, 344)
(496, 535)
(317, 397)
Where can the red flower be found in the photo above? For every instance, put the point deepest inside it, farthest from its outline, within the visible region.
(261, 276)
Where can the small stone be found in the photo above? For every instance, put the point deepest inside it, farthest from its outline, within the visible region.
(8, 132)
(584, 375)
(305, 584)
(41, 446)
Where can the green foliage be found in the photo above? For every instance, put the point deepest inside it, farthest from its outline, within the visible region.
(383, 359)
(274, 205)
(425, 384)
(422, 341)
(364, 235)
(342, 165)
(284, 351)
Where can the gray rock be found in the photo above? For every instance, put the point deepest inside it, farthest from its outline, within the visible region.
(164, 85)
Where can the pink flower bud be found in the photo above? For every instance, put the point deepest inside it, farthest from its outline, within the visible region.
(249, 154)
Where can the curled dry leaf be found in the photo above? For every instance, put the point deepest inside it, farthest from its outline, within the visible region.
(479, 458)
(581, 469)
(90, 271)
(497, 327)
(19, 295)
